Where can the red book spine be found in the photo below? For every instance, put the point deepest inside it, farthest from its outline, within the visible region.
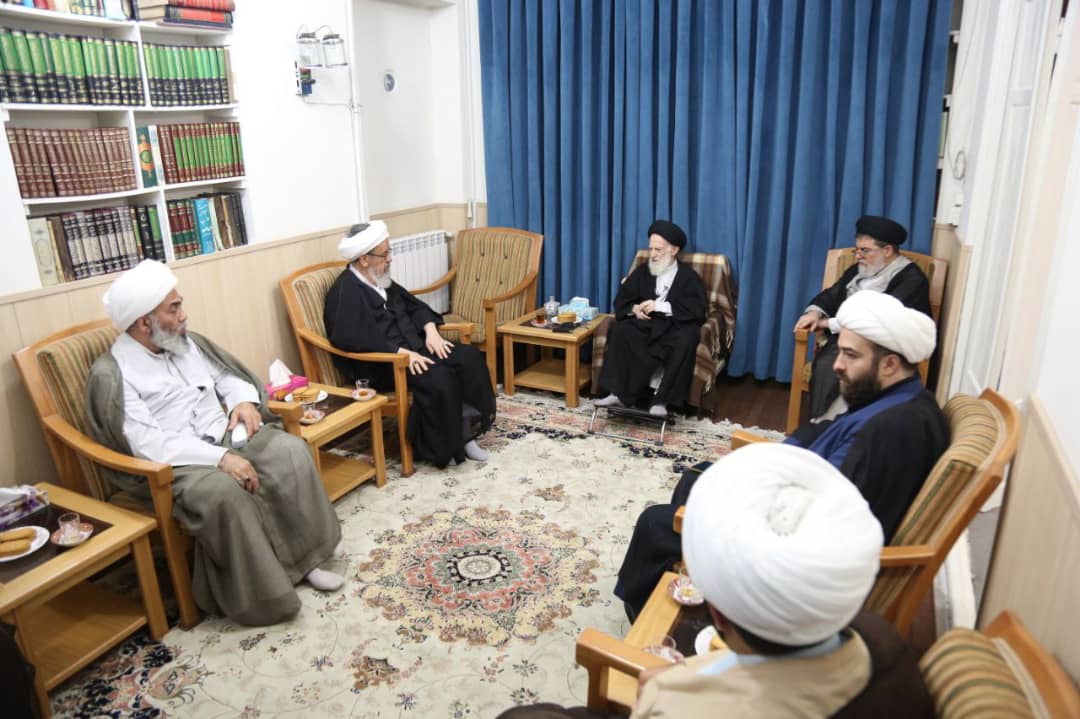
(42, 174)
(168, 153)
(185, 13)
(17, 141)
(219, 5)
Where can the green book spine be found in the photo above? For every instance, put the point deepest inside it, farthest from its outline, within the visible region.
(153, 73)
(101, 71)
(238, 148)
(155, 232)
(183, 158)
(221, 166)
(4, 97)
(214, 74)
(73, 56)
(39, 69)
(205, 156)
(112, 71)
(206, 55)
(222, 75)
(187, 75)
(173, 60)
(61, 74)
(12, 70)
(132, 51)
(26, 66)
(51, 81)
(93, 82)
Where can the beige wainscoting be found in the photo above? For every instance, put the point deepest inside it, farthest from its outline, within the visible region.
(949, 247)
(1033, 571)
(231, 297)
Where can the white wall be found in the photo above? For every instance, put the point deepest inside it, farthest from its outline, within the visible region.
(299, 157)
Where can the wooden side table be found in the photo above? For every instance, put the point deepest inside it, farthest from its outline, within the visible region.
(340, 475)
(63, 622)
(568, 376)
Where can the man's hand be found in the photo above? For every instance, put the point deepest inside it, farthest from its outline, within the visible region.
(436, 343)
(642, 310)
(418, 363)
(247, 413)
(241, 470)
(810, 320)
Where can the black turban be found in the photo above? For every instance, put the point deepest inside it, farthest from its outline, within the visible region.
(669, 231)
(881, 228)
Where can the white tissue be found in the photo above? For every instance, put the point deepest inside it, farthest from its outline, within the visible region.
(279, 374)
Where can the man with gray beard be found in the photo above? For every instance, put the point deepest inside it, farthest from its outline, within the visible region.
(658, 311)
(256, 508)
(879, 268)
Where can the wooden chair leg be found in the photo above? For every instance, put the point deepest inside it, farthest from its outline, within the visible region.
(179, 571)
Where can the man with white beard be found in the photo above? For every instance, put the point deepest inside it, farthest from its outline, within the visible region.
(879, 268)
(257, 509)
(658, 311)
(366, 311)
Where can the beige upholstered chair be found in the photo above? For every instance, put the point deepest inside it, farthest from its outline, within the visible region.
(717, 334)
(1001, 671)
(492, 280)
(983, 435)
(836, 264)
(55, 371)
(305, 295)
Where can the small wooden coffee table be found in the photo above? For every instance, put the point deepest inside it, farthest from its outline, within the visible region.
(63, 622)
(567, 376)
(340, 475)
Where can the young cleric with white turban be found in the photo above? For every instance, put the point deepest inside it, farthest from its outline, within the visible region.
(784, 550)
(258, 512)
(885, 444)
(366, 311)
(879, 267)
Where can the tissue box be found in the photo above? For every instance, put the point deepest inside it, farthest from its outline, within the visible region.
(18, 512)
(296, 381)
(590, 313)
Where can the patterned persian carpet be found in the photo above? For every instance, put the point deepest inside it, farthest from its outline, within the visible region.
(466, 588)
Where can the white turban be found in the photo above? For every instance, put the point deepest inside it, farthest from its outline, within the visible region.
(884, 320)
(137, 292)
(781, 543)
(364, 241)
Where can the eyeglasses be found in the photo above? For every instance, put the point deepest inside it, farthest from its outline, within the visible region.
(381, 256)
(864, 251)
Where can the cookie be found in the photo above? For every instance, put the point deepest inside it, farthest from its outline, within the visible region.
(20, 533)
(13, 547)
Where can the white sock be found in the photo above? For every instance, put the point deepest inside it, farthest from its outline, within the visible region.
(324, 580)
(473, 452)
(610, 401)
(658, 410)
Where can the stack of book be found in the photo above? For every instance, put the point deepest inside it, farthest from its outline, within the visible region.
(189, 152)
(185, 75)
(207, 13)
(115, 9)
(74, 245)
(61, 163)
(206, 223)
(43, 67)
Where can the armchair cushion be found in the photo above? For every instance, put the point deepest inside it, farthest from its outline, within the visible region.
(971, 675)
(65, 366)
(311, 289)
(489, 263)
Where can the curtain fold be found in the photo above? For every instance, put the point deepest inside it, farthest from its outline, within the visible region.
(764, 128)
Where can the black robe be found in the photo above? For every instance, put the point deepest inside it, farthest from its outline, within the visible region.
(888, 459)
(910, 286)
(635, 348)
(440, 423)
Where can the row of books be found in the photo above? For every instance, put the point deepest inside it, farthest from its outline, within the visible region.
(115, 9)
(186, 75)
(41, 67)
(189, 152)
(204, 224)
(209, 13)
(63, 162)
(75, 245)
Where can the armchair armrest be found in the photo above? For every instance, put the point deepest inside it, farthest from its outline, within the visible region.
(464, 330)
(741, 438)
(398, 360)
(157, 473)
(906, 556)
(441, 282)
(680, 515)
(598, 650)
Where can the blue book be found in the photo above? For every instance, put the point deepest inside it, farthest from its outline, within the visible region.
(204, 225)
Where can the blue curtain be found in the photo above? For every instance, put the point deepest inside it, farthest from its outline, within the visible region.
(764, 128)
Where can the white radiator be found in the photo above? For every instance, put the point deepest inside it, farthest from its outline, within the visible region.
(419, 260)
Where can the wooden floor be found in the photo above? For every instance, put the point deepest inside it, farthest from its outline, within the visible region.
(753, 402)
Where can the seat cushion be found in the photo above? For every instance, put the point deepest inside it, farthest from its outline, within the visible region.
(490, 262)
(971, 675)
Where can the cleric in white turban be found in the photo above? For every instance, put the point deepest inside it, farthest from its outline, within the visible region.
(785, 550)
(137, 292)
(885, 321)
(362, 239)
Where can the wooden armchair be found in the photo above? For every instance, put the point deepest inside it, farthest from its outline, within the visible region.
(717, 334)
(984, 433)
(55, 370)
(999, 671)
(305, 295)
(836, 264)
(492, 280)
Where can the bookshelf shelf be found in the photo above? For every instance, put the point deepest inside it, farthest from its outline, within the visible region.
(51, 142)
(83, 199)
(65, 18)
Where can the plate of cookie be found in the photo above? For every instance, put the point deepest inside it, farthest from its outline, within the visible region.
(306, 394)
(17, 543)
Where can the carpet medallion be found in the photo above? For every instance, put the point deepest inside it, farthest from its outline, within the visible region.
(465, 588)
